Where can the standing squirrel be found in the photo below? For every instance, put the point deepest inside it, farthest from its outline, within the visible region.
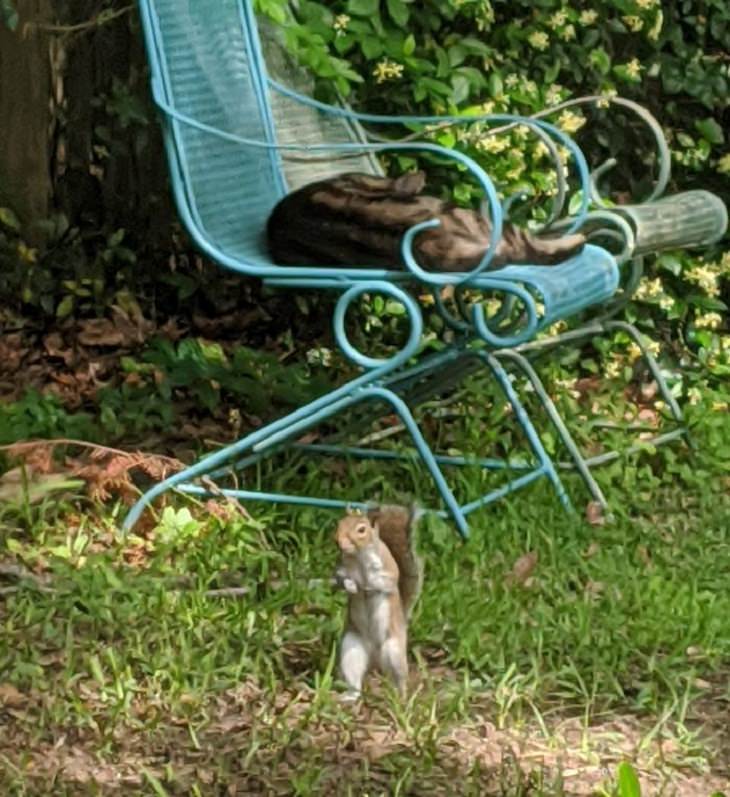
(382, 574)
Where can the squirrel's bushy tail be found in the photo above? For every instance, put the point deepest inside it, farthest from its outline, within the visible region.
(396, 525)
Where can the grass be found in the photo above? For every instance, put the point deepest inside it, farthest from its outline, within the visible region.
(132, 677)
(199, 656)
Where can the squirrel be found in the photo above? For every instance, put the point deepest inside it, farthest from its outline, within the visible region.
(382, 574)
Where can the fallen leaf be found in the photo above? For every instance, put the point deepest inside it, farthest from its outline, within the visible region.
(119, 331)
(643, 553)
(11, 697)
(591, 550)
(100, 332)
(53, 344)
(522, 569)
(594, 587)
(649, 416)
(595, 514)
(649, 390)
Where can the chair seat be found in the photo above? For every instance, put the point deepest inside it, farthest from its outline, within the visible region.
(589, 278)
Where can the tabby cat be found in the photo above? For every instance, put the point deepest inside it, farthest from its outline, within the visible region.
(358, 220)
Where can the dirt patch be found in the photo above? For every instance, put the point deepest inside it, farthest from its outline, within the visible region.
(246, 741)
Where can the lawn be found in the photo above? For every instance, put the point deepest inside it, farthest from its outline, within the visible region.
(198, 656)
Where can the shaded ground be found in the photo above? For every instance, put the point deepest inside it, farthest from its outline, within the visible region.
(127, 668)
(248, 742)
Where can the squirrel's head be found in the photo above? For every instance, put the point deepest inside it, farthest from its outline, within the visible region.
(355, 532)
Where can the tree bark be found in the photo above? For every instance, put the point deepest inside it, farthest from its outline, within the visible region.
(25, 118)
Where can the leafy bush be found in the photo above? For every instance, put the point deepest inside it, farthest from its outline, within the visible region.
(520, 56)
(462, 56)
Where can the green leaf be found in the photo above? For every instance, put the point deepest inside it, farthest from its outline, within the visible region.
(65, 307)
(157, 787)
(600, 60)
(393, 307)
(371, 47)
(8, 14)
(409, 45)
(398, 11)
(670, 263)
(363, 8)
(710, 130)
(628, 782)
(461, 88)
(9, 219)
(552, 72)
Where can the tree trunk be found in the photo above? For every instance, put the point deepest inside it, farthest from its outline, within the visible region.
(25, 119)
(77, 132)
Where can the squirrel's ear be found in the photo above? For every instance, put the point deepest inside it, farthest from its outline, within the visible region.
(375, 526)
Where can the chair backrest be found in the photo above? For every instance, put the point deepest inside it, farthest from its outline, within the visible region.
(301, 124)
(206, 59)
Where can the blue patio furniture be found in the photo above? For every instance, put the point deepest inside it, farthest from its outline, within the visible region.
(241, 131)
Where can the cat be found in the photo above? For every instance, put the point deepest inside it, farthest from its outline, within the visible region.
(358, 220)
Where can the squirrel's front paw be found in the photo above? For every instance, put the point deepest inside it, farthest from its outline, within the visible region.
(349, 585)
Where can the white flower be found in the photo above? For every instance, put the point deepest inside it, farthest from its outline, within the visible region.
(387, 70)
(633, 68)
(633, 23)
(570, 122)
(340, 23)
(708, 321)
(539, 40)
(557, 20)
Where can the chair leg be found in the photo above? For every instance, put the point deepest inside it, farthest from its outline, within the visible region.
(315, 412)
(648, 357)
(578, 461)
(272, 436)
(584, 464)
(533, 438)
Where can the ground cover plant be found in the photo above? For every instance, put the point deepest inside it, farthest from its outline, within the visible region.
(198, 655)
(552, 654)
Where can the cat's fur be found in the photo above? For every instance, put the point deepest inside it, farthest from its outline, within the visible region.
(358, 220)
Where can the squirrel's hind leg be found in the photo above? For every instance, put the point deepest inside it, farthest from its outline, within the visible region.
(394, 662)
(354, 663)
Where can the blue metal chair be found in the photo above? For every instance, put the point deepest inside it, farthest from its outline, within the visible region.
(237, 140)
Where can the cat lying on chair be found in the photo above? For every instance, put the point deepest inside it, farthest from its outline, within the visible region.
(358, 220)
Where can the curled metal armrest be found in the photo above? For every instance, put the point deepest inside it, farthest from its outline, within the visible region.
(505, 341)
(665, 158)
(622, 232)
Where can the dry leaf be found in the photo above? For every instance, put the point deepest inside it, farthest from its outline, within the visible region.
(649, 390)
(591, 550)
(594, 587)
(53, 344)
(643, 553)
(522, 569)
(649, 416)
(11, 697)
(595, 514)
(100, 332)
(119, 331)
